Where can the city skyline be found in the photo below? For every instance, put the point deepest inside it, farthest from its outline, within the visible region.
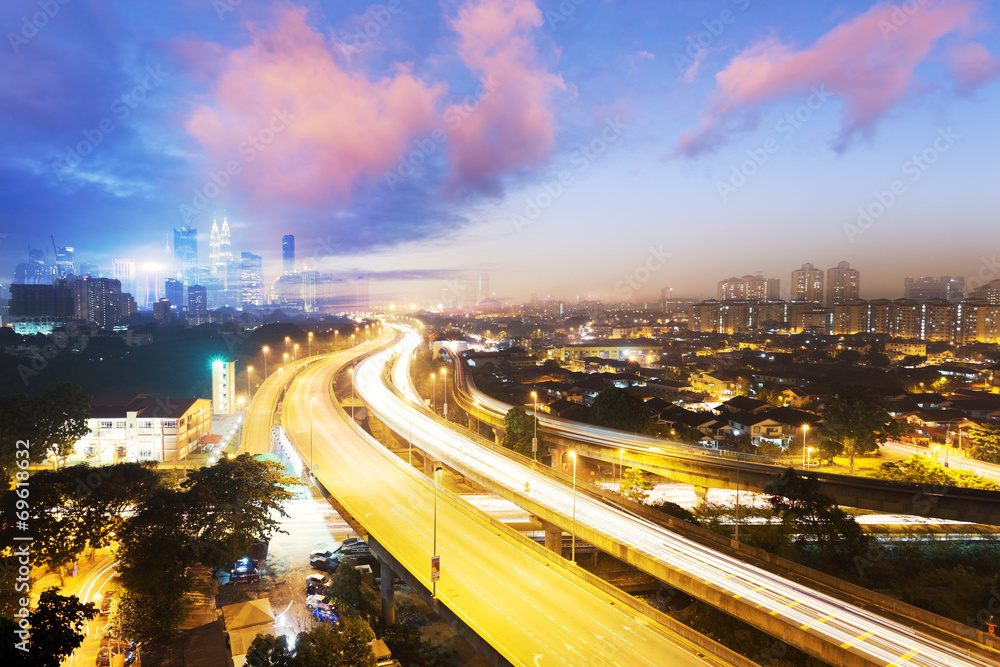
(561, 167)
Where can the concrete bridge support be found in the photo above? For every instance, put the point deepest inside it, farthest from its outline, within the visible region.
(553, 536)
(388, 596)
(701, 493)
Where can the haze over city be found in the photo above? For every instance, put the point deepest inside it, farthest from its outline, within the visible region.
(557, 146)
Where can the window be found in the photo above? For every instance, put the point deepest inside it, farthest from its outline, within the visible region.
(120, 423)
(170, 423)
(105, 423)
(146, 423)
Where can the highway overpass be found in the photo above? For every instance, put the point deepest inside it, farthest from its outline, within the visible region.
(815, 622)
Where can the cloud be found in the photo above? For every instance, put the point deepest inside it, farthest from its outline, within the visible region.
(972, 65)
(510, 126)
(341, 125)
(869, 61)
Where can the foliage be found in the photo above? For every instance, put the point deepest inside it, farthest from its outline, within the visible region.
(404, 642)
(519, 427)
(675, 510)
(634, 485)
(234, 504)
(58, 626)
(328, 646)
(922, 470)
(769, 393)
(269, 651)
(348, 590)
(615, 408)
(804, 510)
(984, 442)
(50, 423)
(857, 421)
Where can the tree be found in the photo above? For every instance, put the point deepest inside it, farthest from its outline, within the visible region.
(922, 470)
(355, 651)
(233, 504)
(635, 485)
(808, 512)
(857, 421)
(50, 424)
(615, 408)
(58, 626)
(984, 442)
(519, 430)
(848, 357)
(675, 510)
(269, 651)
(325, 646)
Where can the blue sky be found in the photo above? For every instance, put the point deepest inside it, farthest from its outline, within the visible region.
(615, 149)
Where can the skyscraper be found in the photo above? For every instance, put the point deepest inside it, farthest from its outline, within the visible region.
(309, 279)
(288, 254)
(197, 300)
(33, 271)
(807, 284)
(749, 287)
(842, 284)
(225, 242)
(173, 290)
(213, 248)
(123, 270)
(484, 288)
(186, 254)
(65, 262)
(252, 281)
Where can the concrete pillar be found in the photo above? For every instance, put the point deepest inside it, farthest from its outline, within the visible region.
(701, 493)
(557, 457)
(428, 466)
(553, 538)
(388, 597)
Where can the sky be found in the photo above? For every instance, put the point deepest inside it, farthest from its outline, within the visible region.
(594, 149)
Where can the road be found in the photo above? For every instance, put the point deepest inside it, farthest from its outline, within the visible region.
(876, 638)
(533, 613)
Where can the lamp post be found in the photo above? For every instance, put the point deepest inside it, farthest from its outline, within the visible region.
(295, 352)
(350, 372)
(572, 455)
(444, 387)
(265, 350)
(249, 381)
(805, 427)
(311, 401)
(434, 393)
(287, 340)
(434, 548)
(809, 452)
(310, 343)
(284, 359)
(534, 416)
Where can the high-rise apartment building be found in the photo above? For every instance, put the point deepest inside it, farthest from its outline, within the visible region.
(807, 284)
(949, 288)
(65, 262)
(186, 254)
(309, 280)
(749, 288)
(197, 300)
(251, 280)
(484, 288)
(173, 290)
(288, 254)
(842, 284)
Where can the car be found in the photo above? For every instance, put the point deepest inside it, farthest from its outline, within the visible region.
(325, 564)
(316, 583)
(349, 542)
(106, 602)
(316, 555)
(244, 575)
(316, 600)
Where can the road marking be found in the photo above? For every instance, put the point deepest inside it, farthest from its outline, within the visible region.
(817, 622)
(904, 658)
(860, 638)
(787, 606)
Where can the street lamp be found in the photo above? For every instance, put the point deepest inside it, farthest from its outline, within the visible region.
(534, 439)
(433, 393)
(350, 372)
(265, 350)
(572, 455)
(295, 351)
(805, 427)
(284, 359)
(809, 452)
(310, 343)
(249, 381)
(444, 387)
(287, 340)
(311, 401)
(434, 548)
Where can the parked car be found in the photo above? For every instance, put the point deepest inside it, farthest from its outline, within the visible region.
(330, 553)
(106, 602)
(105, 653)
(244, 571)
(316, 583)
(324, 564)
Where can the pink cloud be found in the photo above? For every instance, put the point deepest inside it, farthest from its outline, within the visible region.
(512, 126)
(972, 65)
(341, 126)
(869, 61)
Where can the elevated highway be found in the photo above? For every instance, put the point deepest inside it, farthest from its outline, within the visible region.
(817, 623)
(710, 469)
(532, 609)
